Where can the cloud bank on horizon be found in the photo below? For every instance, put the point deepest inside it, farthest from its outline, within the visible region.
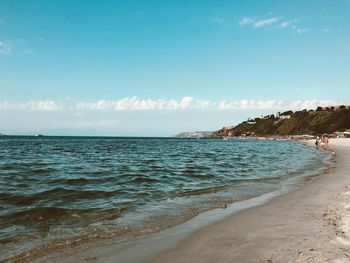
(185, 103)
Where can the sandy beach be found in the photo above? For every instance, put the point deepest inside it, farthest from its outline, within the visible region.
(309, 224)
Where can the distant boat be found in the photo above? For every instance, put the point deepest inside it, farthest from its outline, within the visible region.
(39, 135)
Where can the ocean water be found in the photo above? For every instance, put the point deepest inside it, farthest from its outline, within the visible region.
(54, 189)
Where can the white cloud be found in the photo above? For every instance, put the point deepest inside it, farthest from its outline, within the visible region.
(203, 104)
(45, 105)
(273, 21)
(274, 104)
(135, 103)
(249, 104)
(265, 22)
(245, 21)
(285, 24)
(5, 48)
(289, 23)
(311, 104)
(186, 103)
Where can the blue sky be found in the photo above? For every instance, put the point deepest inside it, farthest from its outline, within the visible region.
(160, 67)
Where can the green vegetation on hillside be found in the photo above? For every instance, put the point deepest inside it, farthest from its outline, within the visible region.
(322, 120)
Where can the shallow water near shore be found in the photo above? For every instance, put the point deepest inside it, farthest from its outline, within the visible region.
(59, 188)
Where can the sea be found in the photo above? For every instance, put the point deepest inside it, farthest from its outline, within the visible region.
(55, 190)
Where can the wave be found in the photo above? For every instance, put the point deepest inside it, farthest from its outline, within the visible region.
(202, 191)
(144, 180)
(57, 194)
(43, 215)
(76, 181)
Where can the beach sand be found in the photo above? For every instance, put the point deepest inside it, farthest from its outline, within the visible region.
(310, 224)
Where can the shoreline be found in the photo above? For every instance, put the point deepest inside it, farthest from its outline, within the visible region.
(311, 224)
(167, 244)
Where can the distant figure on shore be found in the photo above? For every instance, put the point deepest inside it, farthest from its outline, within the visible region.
(325, 141)
(322, 141)
(317, 143)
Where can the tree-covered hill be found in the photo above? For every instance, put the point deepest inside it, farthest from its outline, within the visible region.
(321, 120)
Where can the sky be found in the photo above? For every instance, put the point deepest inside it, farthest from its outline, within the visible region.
(157, 68)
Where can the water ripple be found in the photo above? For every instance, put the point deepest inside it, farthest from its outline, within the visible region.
(58, 187)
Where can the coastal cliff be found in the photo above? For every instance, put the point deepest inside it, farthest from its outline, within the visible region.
(196, 134)
(321, 120)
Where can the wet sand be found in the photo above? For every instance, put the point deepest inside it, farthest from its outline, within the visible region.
(310, 224)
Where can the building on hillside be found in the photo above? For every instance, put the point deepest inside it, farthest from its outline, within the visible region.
(285, 115)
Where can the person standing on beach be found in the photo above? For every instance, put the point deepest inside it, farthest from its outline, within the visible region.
(326, 141)
(322, 143)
